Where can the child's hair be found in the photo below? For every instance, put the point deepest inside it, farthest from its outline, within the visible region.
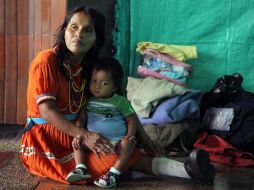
(112, 66)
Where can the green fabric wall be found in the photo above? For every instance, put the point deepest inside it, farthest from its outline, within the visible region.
(222, 30)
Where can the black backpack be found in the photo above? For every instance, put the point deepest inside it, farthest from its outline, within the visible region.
(228, 93)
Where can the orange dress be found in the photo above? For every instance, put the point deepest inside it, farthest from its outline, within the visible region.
(46, 151)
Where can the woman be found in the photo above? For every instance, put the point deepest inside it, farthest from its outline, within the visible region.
(57, 92)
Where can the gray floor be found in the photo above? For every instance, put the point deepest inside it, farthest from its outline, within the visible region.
(14, 176)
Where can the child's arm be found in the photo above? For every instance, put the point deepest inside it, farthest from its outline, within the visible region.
(76, 143)
(131, 122)
(82, 119)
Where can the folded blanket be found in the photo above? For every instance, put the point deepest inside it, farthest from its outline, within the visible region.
(176, 109)
(145, 93)
(165, 134)
(181, 53)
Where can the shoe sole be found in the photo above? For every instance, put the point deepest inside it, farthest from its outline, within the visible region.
(200, 160)
(76, 178)
(104, 186)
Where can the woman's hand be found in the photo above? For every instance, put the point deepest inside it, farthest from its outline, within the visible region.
(97, 143)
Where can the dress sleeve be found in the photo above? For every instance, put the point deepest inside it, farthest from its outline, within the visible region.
(43, 81)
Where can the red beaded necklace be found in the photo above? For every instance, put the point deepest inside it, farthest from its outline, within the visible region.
(76, 92)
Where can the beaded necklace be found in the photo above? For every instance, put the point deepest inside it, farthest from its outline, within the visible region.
(76, 92)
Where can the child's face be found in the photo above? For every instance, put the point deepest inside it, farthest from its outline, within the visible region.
(101, 84)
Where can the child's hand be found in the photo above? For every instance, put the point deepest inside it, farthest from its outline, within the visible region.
(76, 142)
(130, 140)
(130, 137)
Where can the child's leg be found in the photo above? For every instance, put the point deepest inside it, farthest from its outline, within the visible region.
(80, 172)
(124, 149)
(79, 156)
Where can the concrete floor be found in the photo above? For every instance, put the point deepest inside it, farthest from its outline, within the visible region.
(13, 176)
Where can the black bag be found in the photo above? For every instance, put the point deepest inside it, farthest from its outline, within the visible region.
(228, 93)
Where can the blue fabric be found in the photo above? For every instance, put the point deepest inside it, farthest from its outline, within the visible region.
(40, 120)
(113, 128)
(175, 75)
(176, 109)
(32, 121)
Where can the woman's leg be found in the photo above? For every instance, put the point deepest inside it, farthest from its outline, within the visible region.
(160, 166)
(197, 166)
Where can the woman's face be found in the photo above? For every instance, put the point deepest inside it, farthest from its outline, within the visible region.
(79, 34)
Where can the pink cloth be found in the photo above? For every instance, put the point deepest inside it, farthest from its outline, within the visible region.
(167, 58)
(144, 72)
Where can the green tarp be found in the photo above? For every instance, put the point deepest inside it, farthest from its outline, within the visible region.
(222, 30)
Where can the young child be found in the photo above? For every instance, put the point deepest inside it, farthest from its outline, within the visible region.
(110, 115)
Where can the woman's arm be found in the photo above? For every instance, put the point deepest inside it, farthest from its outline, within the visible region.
(51, 115)
(82, 119)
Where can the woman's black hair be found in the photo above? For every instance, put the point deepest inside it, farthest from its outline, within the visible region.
(98, 21)
(112, 66)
